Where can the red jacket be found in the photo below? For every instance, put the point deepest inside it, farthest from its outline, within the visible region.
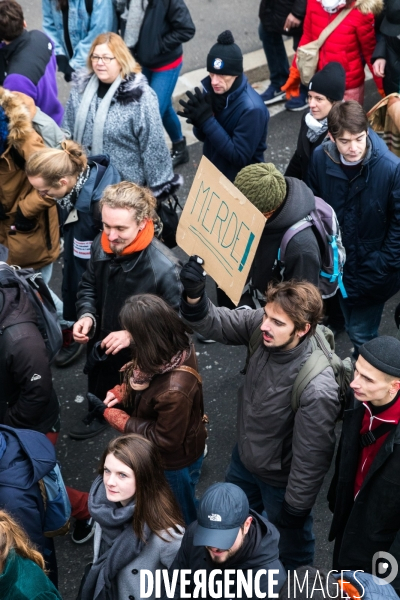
(351, 41)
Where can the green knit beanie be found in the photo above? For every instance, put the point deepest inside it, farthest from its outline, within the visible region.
(263, 185)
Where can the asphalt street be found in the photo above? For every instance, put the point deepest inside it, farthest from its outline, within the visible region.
(219, 366)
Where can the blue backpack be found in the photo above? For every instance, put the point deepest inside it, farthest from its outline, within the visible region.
(57, 506)
(326, 229)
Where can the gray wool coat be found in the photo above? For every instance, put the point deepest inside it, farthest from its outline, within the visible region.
(133, 134)
(157, 554)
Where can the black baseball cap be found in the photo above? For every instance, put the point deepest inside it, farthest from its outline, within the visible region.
(222, 511)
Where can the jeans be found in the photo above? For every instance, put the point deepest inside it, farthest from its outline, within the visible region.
(163, 83)
(362, 322)
(183, 484)
(275, 53)
(296, 546)
(47, 272)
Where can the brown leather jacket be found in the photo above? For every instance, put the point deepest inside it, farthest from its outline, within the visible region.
(41, 245)
(170, 413)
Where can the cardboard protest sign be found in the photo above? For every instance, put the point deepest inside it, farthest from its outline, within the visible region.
(219, 224)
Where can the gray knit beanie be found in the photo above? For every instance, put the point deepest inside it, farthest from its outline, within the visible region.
(263, 185)
(383, 353)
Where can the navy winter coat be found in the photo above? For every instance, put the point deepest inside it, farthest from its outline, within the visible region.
(236, 136)
(80, 232)
(28, 457)
(368, 210)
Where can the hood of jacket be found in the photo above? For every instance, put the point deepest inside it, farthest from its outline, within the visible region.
(376, 148)
(369, 6)
(20, 122)
(265, 550)
(29, 456)
(130, 89)
(15, 307)
(298, 203)
(102, 174)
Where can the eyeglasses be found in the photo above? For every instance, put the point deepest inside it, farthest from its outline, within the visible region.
(106, 59)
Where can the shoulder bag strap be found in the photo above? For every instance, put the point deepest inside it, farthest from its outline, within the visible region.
(332, 26)
(190, 370)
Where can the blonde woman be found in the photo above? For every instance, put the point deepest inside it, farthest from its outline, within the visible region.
(22, 571)
(76, 184)
(112, 109)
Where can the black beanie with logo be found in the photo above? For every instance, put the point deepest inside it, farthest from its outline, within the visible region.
(225, 57)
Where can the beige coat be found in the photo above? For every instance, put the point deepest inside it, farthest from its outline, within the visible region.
(385, 121)
(40, 246)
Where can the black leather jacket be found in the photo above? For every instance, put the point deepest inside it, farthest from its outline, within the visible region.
(109, 280)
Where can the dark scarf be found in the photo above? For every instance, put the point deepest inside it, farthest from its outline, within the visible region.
(218, 101)
(119, 542)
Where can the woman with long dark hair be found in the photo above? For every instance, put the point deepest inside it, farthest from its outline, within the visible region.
(73, 25)
(138, 522)
(162, 398)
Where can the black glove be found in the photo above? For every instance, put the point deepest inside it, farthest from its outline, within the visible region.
(3, 215)
(193, 277)
(198, 108)
(397, 316)
(96, 406)
(64, 66)
(22, 223)
(292, 518)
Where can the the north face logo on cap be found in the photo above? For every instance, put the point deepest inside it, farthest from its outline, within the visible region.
(218, 63)
(214, 517)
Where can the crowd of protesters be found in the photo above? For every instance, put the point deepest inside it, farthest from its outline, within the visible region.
(95, 174)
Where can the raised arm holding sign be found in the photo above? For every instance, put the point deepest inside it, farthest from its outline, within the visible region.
(219, 224)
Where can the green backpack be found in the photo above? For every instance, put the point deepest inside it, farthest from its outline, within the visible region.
(323, 355)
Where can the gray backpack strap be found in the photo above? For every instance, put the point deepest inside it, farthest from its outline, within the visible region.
(254, 342)
(289, 233)
(314, 365)
(322, 356)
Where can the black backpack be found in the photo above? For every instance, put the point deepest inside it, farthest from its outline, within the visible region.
(33, 285)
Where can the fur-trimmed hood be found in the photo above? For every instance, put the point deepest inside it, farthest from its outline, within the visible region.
(130, 89)
(20, 121)
(369, 6)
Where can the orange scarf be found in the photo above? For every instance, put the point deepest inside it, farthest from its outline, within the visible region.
(141, 241)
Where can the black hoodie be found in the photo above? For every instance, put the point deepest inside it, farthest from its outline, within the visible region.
(27, 398)
(303, 257)
(259, 551)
